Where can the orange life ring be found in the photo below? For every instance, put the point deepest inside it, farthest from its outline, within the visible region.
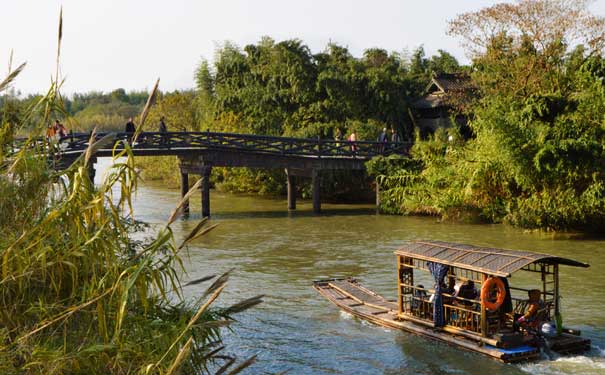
(500, 295)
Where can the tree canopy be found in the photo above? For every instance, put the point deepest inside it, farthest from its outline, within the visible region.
(282, 88)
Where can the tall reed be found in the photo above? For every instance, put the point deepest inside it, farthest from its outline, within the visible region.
(77, 294)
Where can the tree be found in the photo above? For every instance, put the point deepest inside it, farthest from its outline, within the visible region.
(419, 63)
(375, 57)
(541, 23)
(204, 80)
(119, 95)
(444, 62)
(178, 109)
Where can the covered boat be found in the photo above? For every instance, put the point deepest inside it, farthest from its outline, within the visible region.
(508, 323)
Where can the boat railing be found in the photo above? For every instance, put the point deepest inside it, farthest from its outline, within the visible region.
(419, 307)
(463, 317)
(546, 293)
(461, 313)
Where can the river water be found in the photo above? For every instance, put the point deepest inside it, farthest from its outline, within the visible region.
(279, 254)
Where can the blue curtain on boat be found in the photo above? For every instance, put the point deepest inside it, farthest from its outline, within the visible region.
(438, 271)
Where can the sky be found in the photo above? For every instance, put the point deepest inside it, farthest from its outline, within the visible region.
(128, 44)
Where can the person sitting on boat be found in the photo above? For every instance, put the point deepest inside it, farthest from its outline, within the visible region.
(463, 292)
(531, 317)
(466, 291)
(419, 302)
(449, 290)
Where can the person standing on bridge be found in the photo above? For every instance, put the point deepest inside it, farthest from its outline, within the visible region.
(353, 141)
(163, 130)
(130, 129)
(50, 133)
(338, 138)
(60, 130)
(383, 140)
(394, 136)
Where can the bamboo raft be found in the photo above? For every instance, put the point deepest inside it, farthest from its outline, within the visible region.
(350, 296)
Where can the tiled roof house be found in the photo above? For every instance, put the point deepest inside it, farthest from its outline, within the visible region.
(435, 108)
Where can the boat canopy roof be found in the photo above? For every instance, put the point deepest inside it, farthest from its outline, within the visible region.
(492, 261)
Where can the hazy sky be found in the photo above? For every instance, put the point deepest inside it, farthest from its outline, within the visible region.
(129, 43)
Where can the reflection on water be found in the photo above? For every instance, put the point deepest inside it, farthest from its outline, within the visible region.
(279, 254)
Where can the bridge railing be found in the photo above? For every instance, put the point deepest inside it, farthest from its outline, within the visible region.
(242, 142)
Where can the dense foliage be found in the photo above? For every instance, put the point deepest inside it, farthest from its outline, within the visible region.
(106, 112)
(536, 159)
(78, 294)
(281, 88)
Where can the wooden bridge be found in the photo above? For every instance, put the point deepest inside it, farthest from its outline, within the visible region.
(198, 152)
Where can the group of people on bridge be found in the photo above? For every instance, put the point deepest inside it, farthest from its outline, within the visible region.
(56, 131)
(383, 139)
(387, 141)
(131, 127)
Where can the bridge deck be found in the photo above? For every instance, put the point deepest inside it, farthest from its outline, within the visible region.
(188, 143)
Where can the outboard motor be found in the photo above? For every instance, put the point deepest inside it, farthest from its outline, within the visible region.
(549, 330)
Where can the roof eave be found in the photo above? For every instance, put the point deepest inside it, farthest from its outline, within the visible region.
(454, 264)
(566, 262)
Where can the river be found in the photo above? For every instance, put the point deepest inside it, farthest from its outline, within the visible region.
(279, 254)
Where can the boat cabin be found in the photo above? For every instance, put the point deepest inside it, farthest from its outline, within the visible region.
(469, 293)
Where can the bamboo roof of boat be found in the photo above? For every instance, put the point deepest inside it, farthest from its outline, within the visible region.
(492, 261)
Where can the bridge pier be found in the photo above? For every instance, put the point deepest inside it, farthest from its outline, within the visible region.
(291, 189)
(377, 195)
(316, 190)
(205, 187)
(184, 190)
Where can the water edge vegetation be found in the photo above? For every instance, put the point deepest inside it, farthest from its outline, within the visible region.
(79, 294)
